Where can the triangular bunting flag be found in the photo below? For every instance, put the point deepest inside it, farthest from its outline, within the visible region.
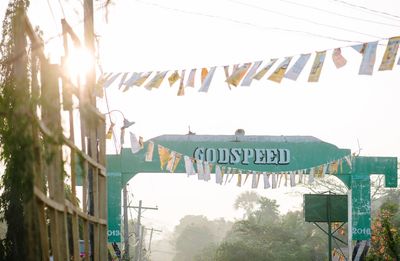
(249, 76)
(238, 74)
(156, 81)
(207, 81)
(164, 156)
(135, 145)
(317, 66)
(368, 60)
(173, 78)
(390, 54)
(264, 70)
(279, 72)
(190, 80)
(294, 72)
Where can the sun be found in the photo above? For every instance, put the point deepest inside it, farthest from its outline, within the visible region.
(78, 63)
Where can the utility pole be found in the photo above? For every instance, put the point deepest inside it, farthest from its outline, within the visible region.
(151, 236)
(139, 235)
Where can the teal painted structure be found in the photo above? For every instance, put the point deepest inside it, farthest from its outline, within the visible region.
(293, 152)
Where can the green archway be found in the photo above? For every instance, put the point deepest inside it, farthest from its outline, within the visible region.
(255, 153)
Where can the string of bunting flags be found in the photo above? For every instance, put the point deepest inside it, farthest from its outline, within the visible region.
(170, 159)
(244, 74)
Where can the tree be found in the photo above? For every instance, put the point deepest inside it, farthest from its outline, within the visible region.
(196, 237)
(246, 201)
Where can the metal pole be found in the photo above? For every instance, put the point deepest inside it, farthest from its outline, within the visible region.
(350, 226)
(126, 225)
(329, 228)
(138, 236)
(141, 242)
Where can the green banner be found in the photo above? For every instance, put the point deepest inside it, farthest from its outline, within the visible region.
(361, 207)
(114, 206)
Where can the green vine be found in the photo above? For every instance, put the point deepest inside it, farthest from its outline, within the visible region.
(16, 139)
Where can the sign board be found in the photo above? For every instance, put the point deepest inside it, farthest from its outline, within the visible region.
(255, 153)
(361, 212)
(114, 207)
(325, 208)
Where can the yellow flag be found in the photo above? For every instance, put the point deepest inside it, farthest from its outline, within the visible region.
(164, 156)
(226, 71)
(204, 73)
(317, 66)
(239, 180)
(149, 152)
(238, 74)
(173, 78)
(110, 132)
(279, 72)
(333, 168)
(390, 54)
(176, 162)
(181, 90)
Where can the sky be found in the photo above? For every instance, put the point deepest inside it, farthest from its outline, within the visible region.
(358, 112)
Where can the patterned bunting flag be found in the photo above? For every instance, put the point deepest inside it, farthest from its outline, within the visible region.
(149, 152)
(164, 155)
(249, 76)
(200, 170)
(190, 80)
(130, 82)
(317, 66)
(207, 171)
(173, 78)
(266, 180)
(333, 168)
(218, 175)
(368, 60)
(110, 80)
(226, 71)
(274, 181)
(141, 79)
(122, 81)
(279, 72)
(311, 176)
(238, 74)
(204, 73)
(294, 72)
(292, 179)
(338, 58)
(135, 145)
(239, 179)
(171, 161)
(178, 157)
(181, 90)
(156, 81)
(189, 166)
(254, 180)
(207, 81)
(264, 70)
(390, 54)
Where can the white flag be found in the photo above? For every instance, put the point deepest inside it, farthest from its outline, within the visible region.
(249, 77)
(207, 171)
(189, 165)
(266, 180)
(254, 180)
(207, 81)
(135, 145)
(218, 175)
(200, 169)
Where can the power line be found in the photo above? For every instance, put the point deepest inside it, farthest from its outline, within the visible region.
(301, 19)
(392, 16)
(339, 14)
(232, 20)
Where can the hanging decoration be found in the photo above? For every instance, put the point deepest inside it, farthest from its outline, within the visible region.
(244, 74)
(170, 159)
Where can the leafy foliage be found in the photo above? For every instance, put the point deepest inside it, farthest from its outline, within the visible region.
(15, 133)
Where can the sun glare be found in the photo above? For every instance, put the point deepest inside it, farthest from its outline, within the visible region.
(78, 64)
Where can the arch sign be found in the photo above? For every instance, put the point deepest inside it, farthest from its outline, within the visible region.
(254, 153)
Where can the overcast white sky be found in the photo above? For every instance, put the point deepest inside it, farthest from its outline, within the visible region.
(343, 108)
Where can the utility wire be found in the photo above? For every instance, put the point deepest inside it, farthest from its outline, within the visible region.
(338, 14)
(232, 20)
(392, 16)
(52, 12)
(301, 19)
